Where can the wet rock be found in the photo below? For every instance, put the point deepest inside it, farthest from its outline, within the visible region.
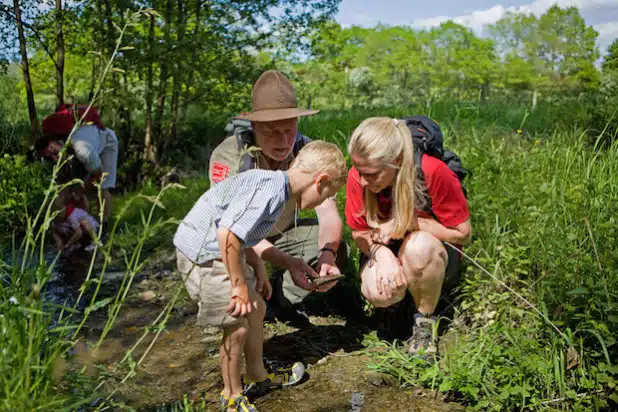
(357, 401)
(379, 379)
(148, 295)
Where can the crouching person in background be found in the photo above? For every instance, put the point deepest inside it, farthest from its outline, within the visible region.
(94, 146)
(74, 227)
(227, 276)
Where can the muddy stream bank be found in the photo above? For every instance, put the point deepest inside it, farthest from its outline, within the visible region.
(184, 358)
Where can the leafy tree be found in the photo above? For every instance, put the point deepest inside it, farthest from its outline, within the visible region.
(610, 62)
(557, 49)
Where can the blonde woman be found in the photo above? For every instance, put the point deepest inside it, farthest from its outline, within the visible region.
(402, 242)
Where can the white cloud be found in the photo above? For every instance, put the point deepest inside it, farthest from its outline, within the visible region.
(607, 33)
(478, 19)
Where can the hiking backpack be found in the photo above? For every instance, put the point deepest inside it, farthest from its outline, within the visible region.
(428, 139)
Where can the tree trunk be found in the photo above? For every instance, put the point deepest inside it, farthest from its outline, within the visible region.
(93, 78)
(150, 153)
(195, 34)
(172, 134)
(123, 92)
(110, 45)
(127, 133)
(163, 77)
(484, 91)
(60, 54)
(98, 36)
(34, 121)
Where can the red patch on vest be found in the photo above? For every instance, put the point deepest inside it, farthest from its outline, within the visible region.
(219, 172)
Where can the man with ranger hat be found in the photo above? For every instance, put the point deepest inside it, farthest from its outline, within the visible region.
(298, 248)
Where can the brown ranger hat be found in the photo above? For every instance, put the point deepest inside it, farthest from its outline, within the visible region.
(273, 98)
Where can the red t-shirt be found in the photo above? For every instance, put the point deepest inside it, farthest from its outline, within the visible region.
(447, 198)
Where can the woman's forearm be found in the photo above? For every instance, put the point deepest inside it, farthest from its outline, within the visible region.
(455, 236)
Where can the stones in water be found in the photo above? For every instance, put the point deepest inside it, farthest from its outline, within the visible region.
(148, 295)
(357, 401)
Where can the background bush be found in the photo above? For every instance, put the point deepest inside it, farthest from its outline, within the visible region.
(21, 191)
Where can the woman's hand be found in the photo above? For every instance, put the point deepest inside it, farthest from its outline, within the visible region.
(383, 233)
(389, 271)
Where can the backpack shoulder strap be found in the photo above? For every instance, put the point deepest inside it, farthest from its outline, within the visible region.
(301, 141)
(245, 138)
(420, 175)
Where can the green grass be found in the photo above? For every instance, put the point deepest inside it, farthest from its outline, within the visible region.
(544, 218)
(543, 226)
(541, 200)
(130, 210)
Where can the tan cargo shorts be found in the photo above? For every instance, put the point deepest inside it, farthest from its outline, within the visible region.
(209, 284)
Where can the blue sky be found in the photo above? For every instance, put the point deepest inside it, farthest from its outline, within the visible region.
(601, 14)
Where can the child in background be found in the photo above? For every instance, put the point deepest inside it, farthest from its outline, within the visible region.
(73, 225)
(226, 275)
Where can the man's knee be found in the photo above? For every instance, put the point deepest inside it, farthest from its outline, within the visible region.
(422, 251)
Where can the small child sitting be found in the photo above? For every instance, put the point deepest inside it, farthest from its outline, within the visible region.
(74, 226)
(227, 276)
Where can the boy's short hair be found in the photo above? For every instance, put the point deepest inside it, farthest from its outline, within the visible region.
(324, 157)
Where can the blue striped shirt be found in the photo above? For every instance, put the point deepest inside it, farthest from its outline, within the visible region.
(247, 204)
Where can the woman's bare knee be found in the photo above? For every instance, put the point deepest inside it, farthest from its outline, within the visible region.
(422, 251)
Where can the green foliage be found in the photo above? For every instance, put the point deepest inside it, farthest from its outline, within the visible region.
(390, 66)
(610, 62)
(541, 227)
(21, 191)
(130, 212)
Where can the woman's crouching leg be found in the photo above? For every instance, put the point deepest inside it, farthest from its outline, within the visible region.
(424, 261)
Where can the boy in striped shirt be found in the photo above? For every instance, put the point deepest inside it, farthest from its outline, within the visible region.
(227, 277)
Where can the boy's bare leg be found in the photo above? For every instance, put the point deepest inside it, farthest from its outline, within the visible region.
(87, 229)
(230, 355)
(255, 342)
(59, 240)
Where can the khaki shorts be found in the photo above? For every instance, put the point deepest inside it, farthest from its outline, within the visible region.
(109, 160)
(210, 285)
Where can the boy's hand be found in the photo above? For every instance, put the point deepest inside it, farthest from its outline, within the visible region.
(263, 286)
(239, 303)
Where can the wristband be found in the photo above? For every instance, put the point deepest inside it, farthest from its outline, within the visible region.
(327, 249)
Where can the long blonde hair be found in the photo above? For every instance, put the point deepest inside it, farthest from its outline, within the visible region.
(384, 141)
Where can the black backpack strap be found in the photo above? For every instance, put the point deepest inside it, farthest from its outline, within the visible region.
(420, 175)
(245, 139)
(300, 142)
